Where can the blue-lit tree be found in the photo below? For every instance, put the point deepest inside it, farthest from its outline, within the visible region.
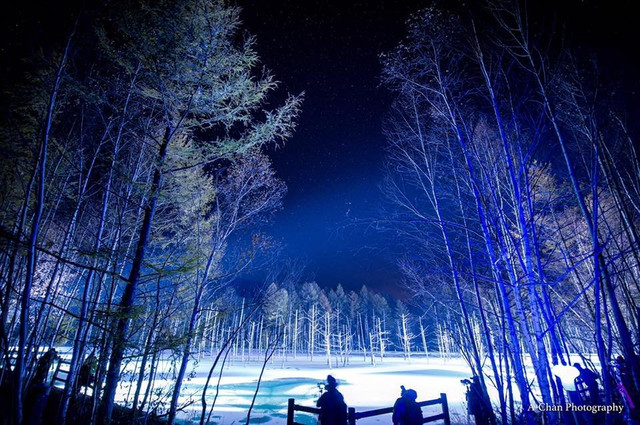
(472, 121)
(141, 97)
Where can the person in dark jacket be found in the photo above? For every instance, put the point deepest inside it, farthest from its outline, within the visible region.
(478, 404)
(399, 401)
(87, 374)
(333, 409)
(589, 378)
(44, 364)
(406, 410)
(38, 394)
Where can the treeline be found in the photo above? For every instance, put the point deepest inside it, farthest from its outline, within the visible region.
(134, 183)
(332, 325)
(517, 187)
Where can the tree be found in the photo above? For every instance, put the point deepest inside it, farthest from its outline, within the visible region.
(245, 193)
(137, 174)
(477, 102)
(196, 82)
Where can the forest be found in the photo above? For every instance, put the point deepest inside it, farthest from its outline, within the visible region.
(137, 190)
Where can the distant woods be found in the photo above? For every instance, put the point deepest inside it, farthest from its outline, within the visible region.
(517, 190)
(134, 184)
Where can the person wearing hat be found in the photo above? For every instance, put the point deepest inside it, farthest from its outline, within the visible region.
(333, 409)
(406, 410)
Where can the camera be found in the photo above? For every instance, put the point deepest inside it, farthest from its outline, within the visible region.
(321, 386)
(465, 382)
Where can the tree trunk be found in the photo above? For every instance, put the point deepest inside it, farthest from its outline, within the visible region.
(128, 297)
(19, 371)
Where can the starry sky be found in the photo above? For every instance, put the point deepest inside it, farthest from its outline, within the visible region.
(333, 164)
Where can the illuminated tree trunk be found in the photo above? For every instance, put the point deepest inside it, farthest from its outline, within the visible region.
(327, 337)
(25, 300)
(128, 297)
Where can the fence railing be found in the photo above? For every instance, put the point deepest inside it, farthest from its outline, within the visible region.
(353, 416)
(61, 372)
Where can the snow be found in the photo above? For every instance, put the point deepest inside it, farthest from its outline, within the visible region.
(364, 386)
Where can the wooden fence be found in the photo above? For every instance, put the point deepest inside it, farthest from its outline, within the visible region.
(353, 416)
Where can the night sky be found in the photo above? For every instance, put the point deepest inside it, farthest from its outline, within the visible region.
(333, 164)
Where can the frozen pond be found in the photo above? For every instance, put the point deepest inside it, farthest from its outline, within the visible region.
(364, 386)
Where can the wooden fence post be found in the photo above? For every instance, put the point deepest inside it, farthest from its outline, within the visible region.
(445, 409)
(290, 411)
(351, 416)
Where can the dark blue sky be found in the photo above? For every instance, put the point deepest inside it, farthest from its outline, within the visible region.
(333, 164)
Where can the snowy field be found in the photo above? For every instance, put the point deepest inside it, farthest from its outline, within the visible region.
(363, 385)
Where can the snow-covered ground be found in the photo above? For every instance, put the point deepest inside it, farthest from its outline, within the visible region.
(363, 385)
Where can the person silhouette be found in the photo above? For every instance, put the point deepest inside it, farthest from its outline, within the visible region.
(406, 410)
(398, 403)
(333, 409)
(589, 378)
(44, 364)
(87, 373)
(478, 404)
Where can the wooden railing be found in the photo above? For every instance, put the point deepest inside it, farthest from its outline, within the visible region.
(61, 374)
(353, 416)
